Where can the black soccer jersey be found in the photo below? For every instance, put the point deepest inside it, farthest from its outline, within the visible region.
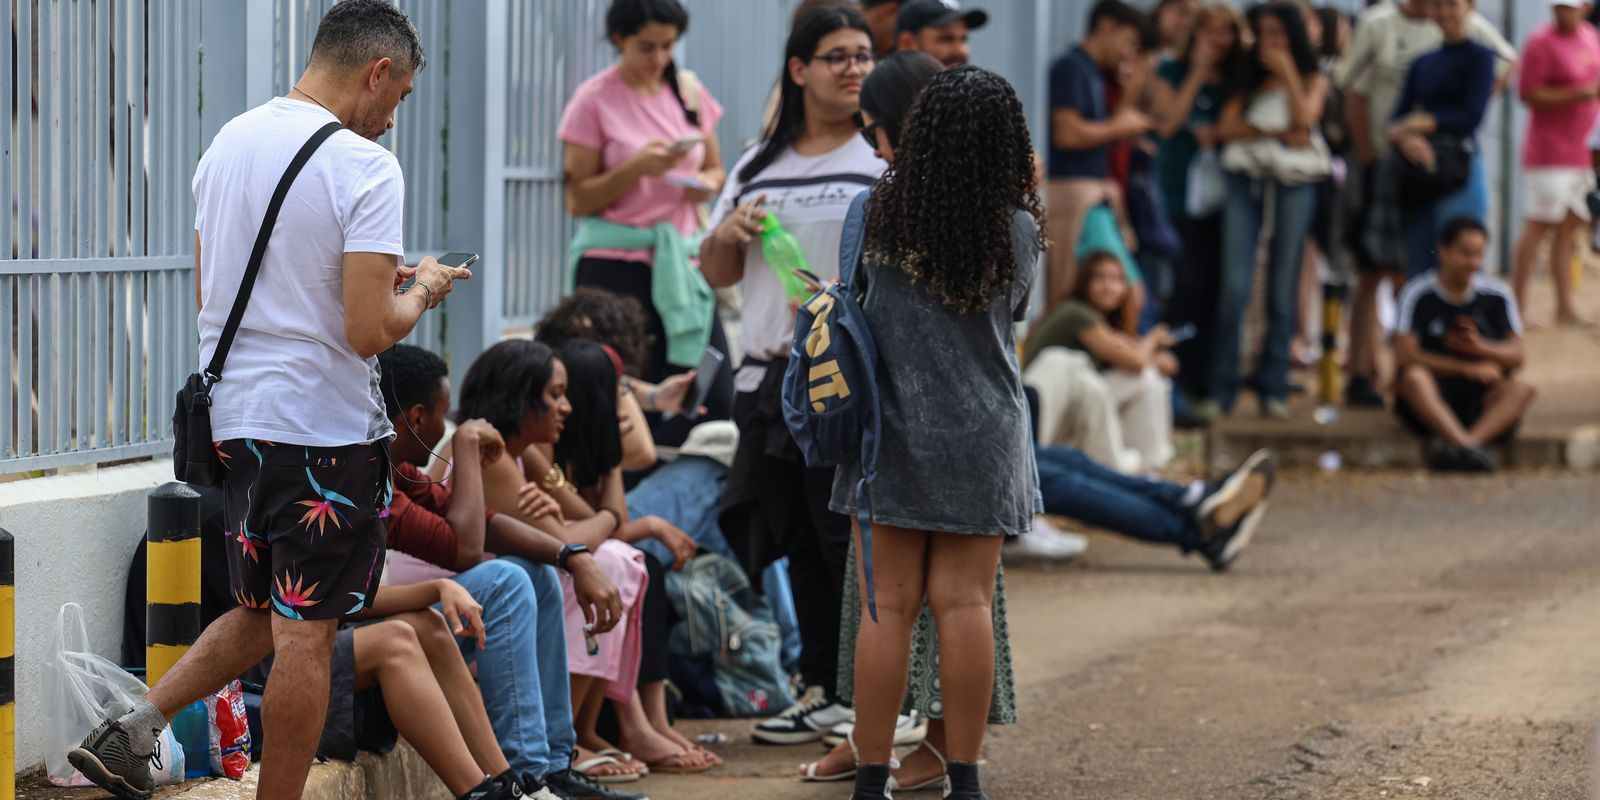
(1428, 312)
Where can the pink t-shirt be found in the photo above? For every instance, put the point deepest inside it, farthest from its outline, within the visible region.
(1559, 137)
(608, 115)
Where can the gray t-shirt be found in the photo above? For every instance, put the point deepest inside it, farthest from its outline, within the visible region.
(957, 451)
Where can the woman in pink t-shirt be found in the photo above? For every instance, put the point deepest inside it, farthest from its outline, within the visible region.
(640, 149)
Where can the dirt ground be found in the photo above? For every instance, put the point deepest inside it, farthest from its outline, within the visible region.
(1388, 636)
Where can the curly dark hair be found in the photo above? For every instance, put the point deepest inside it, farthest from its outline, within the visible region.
(600, 316)
(943, 210)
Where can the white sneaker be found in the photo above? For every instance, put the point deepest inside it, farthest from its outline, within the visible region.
(1046, 542)
(805, 721)
(909, 729)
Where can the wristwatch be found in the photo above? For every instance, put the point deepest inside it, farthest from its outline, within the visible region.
(567, 553)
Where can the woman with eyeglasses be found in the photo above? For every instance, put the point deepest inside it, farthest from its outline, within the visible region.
(640, 154)
(810, 164)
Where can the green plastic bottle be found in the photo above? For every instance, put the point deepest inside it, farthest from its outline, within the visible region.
(784, 255)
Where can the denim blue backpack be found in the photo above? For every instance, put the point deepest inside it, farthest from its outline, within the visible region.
(830, 386)
(727, 648)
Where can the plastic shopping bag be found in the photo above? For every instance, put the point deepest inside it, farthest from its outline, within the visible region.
(80, 689)
(230, 732)
(1207, 185)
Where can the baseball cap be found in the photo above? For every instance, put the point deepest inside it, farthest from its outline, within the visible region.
(918, 14)
(1567, 3)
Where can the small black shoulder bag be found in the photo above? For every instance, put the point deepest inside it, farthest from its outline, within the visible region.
(194, 457)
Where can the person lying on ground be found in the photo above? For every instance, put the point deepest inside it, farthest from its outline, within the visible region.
(1458, 350)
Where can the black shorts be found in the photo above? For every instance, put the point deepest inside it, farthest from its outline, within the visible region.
(1464, 397)
(304, 526)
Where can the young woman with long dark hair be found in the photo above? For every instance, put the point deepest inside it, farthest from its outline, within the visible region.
(811, 163)
(954, 235)
(640, 156)
(1275, 154)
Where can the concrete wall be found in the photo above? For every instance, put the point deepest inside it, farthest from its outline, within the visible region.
(75, 535)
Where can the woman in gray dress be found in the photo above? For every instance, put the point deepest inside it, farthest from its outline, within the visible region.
(954, 233)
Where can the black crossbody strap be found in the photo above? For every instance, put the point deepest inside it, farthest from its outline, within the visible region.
(259, 252)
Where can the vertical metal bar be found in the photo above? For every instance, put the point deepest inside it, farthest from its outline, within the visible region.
(47, 128)
(8, 289)
(140, 349)
(85, 113)
(83, 359)
(118, 400)
(43, 387)
(66, 386)
(138, 70)
(8, 158)
(100, 430)
(100, 116)
(25, 161)
(120, 157)
(25, 379)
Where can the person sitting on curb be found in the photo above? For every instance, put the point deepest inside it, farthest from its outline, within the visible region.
(437, 527)
(1457, 350)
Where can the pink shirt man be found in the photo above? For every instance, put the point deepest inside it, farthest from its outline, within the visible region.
(1558, 137)
(608, 115)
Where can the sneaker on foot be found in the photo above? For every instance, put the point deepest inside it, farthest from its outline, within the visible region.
(106, 757)
(1231, 511)
(909, 730)
(1046, 542)
(527, 787)
(1275, 408)
(569, 784)
(805, 721)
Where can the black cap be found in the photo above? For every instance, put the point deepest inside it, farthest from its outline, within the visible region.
(918, 14)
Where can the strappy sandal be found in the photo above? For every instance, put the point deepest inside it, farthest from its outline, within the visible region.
(626, 759)
(933, 783)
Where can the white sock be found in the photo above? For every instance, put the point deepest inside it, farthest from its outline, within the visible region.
(144, 725)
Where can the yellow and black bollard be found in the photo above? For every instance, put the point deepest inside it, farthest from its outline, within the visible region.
(172, 589)
(8, 672)
(1330, 377)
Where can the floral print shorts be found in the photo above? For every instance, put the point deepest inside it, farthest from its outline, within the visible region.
(304, 526)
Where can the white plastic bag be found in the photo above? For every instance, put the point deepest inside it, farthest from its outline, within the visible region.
(80, 689)
(1207, 187)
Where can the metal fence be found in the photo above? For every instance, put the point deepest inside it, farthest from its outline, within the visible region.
(96, 322)
(113, 101)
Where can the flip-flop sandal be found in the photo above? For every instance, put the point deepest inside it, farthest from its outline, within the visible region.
(666, 767)
(584, 767)
(626, 759)
(711, 758)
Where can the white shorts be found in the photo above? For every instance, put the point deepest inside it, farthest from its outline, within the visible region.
(1549, 194)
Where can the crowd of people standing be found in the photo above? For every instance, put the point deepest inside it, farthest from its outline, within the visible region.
(1040, 320)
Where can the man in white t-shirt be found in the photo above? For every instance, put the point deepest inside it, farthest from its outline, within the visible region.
(299, 423)
(1388, 37)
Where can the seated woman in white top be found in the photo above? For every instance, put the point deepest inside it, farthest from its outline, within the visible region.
(1137, 370)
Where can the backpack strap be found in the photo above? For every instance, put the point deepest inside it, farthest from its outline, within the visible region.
(853, 240)
(258, 253)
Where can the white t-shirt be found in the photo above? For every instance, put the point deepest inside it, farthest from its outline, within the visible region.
(1385, 43)
(810, 195)
(291, 377)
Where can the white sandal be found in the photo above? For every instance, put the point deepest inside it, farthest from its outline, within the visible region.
(935, 783)
(583, 767)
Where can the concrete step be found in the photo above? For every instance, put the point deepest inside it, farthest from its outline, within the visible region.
(1373, 439)
(400, 775)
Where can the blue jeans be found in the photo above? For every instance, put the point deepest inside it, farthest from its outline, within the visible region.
(522, 669)
(1077, 487)
(1243, 215)
(1422, 225)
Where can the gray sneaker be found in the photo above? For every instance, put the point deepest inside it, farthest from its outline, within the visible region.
(107, 759)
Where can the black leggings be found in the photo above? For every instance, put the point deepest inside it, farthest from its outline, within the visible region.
(1194, 300)
(632, 279)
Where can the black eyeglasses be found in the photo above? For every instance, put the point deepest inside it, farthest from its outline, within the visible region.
(839, 63)
(868, 132)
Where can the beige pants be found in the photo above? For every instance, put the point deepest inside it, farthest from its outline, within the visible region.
(1144, 405)
(1077, 408)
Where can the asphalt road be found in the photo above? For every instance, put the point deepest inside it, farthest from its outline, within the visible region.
(1387, 636)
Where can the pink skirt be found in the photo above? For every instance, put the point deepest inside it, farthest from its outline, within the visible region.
(620, 649)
